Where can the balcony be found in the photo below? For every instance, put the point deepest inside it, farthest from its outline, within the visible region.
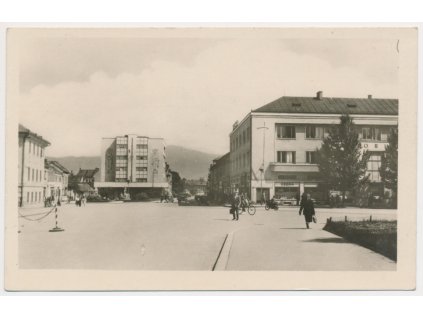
(293, 167)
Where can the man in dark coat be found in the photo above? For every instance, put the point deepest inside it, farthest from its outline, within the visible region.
(303, 201)
(308, 210)
(236, 203)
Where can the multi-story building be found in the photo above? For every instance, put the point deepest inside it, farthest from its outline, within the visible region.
(31, 183)
(132, 164)
(57, 179)
(219, 186)
(272, 150)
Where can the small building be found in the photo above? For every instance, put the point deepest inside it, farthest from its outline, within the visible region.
(57, 179)
(83, 182)
(31, 156)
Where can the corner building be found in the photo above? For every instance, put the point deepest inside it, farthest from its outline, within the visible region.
(132, 163)
(31, 156)
(272, 150)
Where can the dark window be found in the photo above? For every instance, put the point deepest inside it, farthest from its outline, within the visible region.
(285, 131)
(370, 133)
(314, 132)
(311, 157)
(286, 156)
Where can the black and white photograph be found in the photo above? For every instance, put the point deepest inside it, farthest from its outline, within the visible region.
(202, 155)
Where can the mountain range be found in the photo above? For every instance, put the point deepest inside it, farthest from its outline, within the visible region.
(189, 163)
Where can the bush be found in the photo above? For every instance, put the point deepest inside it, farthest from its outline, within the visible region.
(379, 236)
(141, 197)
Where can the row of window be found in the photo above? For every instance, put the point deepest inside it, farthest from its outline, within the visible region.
(34, 174)
(32, 197)
(316, 132)
(240, 138)
(35, 149)
(241, 161)
(125, 180)
(290, 157)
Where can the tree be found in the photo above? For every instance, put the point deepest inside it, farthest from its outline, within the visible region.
(342, 163)
(177, 183)
(389, 165)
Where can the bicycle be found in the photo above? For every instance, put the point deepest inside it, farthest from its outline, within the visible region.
(251, 209)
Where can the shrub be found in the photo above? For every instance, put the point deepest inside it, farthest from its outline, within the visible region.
(379, 236)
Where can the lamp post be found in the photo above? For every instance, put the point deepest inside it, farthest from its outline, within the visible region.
(262, 164)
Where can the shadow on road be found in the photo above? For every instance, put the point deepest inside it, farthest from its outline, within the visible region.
(222, 219)
(328, 240)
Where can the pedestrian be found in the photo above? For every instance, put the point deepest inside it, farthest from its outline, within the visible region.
(83, 199)
(236, 202)
(297, 198)
(242, 199)
(307, 208)
(58, 202)
(302, 202)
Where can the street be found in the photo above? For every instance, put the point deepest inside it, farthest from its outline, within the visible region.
(165, 236)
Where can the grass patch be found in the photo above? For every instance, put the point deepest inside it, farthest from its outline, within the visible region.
(379, 236)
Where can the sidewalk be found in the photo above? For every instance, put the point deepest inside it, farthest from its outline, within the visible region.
(293, 248)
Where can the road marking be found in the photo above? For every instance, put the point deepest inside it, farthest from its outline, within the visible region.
(223, 257)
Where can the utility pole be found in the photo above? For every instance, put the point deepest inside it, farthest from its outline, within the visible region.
(262, 164)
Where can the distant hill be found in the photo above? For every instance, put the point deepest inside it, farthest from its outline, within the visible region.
(189, 163)
(74, 163)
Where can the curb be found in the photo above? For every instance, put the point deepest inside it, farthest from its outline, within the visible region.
(223, 257)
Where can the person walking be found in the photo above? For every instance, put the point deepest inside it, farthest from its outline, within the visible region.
(236, 203)
(307, 208)
(302, 202)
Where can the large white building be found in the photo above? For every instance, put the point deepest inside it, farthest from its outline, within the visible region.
(133, 164)
(272, 150)
(31, 156)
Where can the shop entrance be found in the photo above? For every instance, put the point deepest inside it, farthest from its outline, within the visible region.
(262, 194)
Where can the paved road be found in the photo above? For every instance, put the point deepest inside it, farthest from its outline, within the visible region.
(154, 236)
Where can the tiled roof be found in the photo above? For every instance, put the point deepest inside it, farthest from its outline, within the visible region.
(331, 105)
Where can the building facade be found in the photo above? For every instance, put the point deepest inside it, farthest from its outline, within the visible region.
(132, 164)
(83, 182)
(219, 185)
(57, 181)
(273, 149)
(31, 156)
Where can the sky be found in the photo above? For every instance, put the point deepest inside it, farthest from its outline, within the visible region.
(75, 90)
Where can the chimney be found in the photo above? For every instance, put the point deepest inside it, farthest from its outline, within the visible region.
(319, 95)
(369, 96)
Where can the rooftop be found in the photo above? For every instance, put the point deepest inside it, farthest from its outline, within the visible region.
(25, 131)
(331, 105)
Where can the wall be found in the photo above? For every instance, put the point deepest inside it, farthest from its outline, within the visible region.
(108, 159)
(34, 183)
